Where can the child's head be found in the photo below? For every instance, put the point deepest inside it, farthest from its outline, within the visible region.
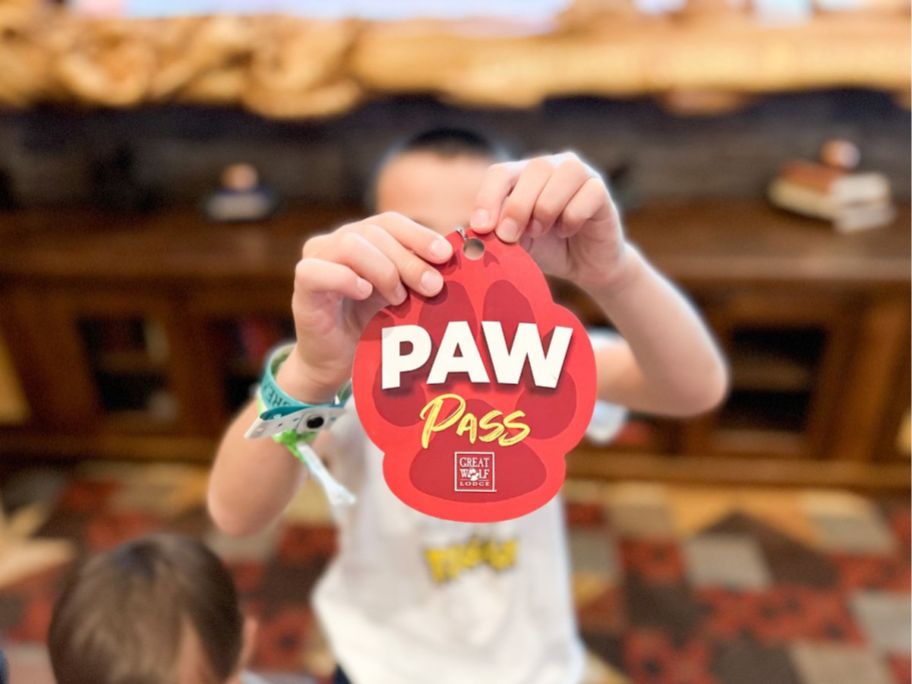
(432, 177)
(156, 610)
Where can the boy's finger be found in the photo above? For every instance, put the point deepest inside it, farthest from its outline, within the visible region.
(560, 189)
(591, 200)
(415, 272)
(498, 181)
(318, 275)
(519, 204)
(366, 259)
(423, 241)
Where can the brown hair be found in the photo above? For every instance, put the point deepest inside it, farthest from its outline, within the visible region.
(122, 616)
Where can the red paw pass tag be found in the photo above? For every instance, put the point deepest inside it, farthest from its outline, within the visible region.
(475, 396)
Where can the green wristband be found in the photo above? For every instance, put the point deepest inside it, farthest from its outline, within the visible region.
(283, 417)
(274, 396)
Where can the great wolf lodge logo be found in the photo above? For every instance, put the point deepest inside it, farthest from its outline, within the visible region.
(474, 471)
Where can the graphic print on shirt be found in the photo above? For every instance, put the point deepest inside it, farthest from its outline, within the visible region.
(447, 563)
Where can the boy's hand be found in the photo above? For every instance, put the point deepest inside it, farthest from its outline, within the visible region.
(341, 281)
(560, 210)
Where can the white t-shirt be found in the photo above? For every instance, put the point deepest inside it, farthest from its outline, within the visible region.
(414, 599)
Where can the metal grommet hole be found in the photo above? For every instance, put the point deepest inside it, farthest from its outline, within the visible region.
(473, 248)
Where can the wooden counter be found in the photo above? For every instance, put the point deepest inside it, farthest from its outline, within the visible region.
(137, 336)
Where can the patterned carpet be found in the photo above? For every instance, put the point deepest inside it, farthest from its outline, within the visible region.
(673, 585)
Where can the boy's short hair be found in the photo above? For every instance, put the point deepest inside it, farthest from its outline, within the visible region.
(125, 613)
(446, 142)
(450, 142)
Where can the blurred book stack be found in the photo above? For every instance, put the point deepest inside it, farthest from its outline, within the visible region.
(850, 200)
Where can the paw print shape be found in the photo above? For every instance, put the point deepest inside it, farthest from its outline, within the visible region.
(505, 287)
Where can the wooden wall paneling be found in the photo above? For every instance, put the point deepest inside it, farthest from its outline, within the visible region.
(190, 373)
(894, 442)
(19, 337)
(771, 309)
(71, 399)
(49, 359)
(205, 308)
(233, 301)
(199, 375)
(840, 321)
(735, 470)
(881, 347)
(76, 303)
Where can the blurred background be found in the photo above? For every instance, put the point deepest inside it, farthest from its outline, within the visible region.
(161, 164)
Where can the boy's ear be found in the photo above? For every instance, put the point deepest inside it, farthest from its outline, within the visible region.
(248, 641)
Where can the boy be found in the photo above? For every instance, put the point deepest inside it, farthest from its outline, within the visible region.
(410, 598)
(160, 609)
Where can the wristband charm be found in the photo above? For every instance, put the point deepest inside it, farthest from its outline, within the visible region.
(295, 424)
(304, 421)
(282, 413)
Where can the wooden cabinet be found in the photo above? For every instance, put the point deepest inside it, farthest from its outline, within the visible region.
(815, 326)
(137, 337)
(786, 356)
